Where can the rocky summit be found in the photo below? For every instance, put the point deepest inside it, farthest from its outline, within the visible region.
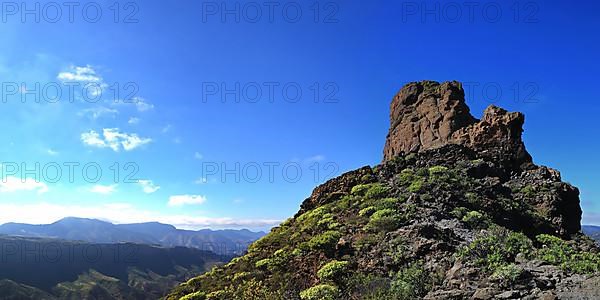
(456, 210)
(427, 115)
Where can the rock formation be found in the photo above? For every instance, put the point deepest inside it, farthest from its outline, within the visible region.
(456, 210)
(427, 115)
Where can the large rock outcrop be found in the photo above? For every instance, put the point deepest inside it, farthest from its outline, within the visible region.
(426, 115)
(456, 210)
(429, 115)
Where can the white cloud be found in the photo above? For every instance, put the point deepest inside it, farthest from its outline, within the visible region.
(104, 189)
(315, 158)
(85, 74)
(141, 104)
(197, 155)
(92, 138)
(133, 120)
(119, 213)
(51, 152)
(179, 200)
(166, 128)
(114, 139)
(97, 112)
(201, 180)
(94, 84)
(12, 184)
(148, 186)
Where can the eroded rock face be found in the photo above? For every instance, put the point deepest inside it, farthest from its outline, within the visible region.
(427, 115)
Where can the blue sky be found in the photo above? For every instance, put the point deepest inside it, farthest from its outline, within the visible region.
(314, 94)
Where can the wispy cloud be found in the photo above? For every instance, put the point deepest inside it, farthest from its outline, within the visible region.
(133, 121)
(11, 184)
(314, 158)
(51, 152)
(104, 189)
(197, 155)
(166, 129)
(141, 104)
(179, 200)
(201, 180)
(148, 186)
(84, 74)
(97, 112)
(114, 139)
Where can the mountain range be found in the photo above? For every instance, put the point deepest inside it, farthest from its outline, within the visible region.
(225, 242)
(41, 268)
(592, 231)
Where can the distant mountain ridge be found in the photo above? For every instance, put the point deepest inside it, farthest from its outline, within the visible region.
(226, 242)
(41, 268)
(592, 231)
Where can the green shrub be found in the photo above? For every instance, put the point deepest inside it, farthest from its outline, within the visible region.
(475, 219)
(325, 241)
(422, 172)
(437, 170)
(325, 221)
(297, 252)
(397, 250)
(333, 270)
(194, 296)
(320, 292)
(497, 248)
(376, 191)
(359, 189)
(472, 198)
(416, 185)
(241, 276)
(367, 211)
(554, 250)
(459, 212)
(528, 190)
(406, 176)
(558, 252)
(584, 263)
(218, 295)
(309, 220)
(507, 273)
(263, 263)
(411, 282)
(384, 220)
(366, 241)
(277, 261)
(274, 240)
